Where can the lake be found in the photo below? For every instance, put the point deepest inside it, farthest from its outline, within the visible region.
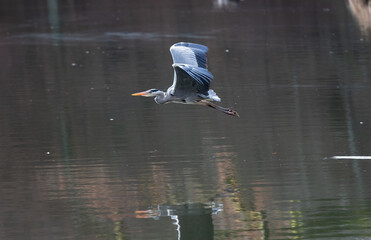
(83, 159)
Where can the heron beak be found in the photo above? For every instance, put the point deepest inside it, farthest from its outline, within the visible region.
(139, 94)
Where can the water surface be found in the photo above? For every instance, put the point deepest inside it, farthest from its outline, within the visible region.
(83, 159)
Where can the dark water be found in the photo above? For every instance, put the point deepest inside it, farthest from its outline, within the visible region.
(82, 159)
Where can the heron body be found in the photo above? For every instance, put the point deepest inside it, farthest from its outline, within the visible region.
(191, 79)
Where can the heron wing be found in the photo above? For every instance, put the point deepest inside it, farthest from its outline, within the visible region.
(189, 53)
(190, 80)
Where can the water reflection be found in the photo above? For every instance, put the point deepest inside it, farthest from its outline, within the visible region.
(193, 219)
(239, 219)
(55, 36)
(361, 10)
(226, 4)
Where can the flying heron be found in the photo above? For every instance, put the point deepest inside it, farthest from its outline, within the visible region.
(191, 79)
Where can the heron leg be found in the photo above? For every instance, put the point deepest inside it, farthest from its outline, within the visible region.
(228, 111)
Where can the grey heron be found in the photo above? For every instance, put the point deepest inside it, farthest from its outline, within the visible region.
(191, 79)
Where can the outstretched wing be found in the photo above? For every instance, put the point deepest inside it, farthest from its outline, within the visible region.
(190, 80)
(189, 53)
(191, 76)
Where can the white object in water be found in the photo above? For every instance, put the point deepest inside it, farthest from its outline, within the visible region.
(351, 157)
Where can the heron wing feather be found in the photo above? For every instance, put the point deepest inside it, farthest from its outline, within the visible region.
(189, 53)
(191, 80)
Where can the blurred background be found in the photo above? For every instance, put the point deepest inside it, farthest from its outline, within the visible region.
(81, 158)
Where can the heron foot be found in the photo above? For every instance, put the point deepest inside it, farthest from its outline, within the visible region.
(232, 112)
(228, 111)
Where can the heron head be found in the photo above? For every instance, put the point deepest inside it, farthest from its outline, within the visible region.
(149, 93)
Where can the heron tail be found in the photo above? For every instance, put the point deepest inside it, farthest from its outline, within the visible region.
(228, 111)
(213, 96)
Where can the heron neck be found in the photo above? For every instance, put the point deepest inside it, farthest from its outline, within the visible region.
(161, 98)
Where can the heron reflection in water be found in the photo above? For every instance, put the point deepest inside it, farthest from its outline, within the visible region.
(191, 79)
